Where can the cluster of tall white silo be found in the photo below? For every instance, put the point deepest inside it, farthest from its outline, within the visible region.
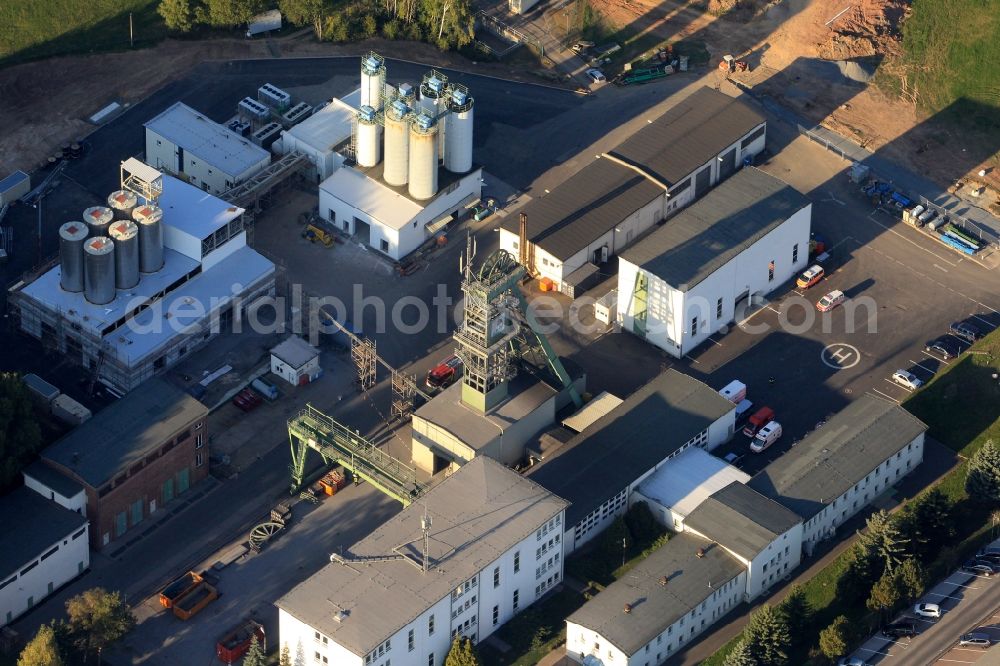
(111, 247)
(420, 131)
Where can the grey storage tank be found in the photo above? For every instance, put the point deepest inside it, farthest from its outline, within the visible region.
(121, 203)
(71, 238)
(125, 234)
(99, 270)
(97, 219)
(149, 219)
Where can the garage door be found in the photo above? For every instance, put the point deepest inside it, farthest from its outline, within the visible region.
(701, 181)
(728, 164)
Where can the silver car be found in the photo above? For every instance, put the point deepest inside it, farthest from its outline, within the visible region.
(907, 379)
(975, 639)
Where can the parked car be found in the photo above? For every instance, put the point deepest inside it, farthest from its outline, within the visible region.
(766, 436)
(582, 46)
(811, 276)
(735, 460)
(944, 347)
(992, 565)
(965, 331)
(743, 412)
(975, 639)
(853, 661)
(597, 75)
(900, 630)
(993, 558)
(975, 567)
(760, 418)
(907, 379)
(927, 610)
(830, 301)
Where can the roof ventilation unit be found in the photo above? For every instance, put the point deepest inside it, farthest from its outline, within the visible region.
(266, 135)
(274, 97)
(253, 111)
(296, 114)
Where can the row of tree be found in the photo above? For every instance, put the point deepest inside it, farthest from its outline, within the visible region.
(449, 24)
(94, 620)
(775, 636)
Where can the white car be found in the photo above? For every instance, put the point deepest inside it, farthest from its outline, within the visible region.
(907, 379)
(927, 610)
(597, 75)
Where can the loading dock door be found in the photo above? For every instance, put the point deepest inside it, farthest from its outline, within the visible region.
(363, 231)
(728, 164)
(701, 181)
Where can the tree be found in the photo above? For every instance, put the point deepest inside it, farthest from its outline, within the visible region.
(177, 14)
(885, 593)
(42, 650)
(798, 616)
(740, 656)
(883, 541)
(255, 656)
(642, 524)
(615, 542)
(835, 639)
(98, 618)
(929, 524)
(229, 13)
(462, 653)
(912, 580)
(20, 437)
(983, 478)
(303, 12)
(286, 657)
(767, 637)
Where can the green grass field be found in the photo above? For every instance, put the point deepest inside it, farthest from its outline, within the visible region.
(952, 52)
(33, 29)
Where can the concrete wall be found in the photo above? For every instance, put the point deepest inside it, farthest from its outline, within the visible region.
(24, 587)
(670, 311)
(293, 375)
(886, 473)
(76, 503)
(311, 644)
(163, 154)
(148, 483)
(582, 641)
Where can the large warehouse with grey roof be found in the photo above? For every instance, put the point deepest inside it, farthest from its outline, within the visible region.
(704, 268)
(608, 204)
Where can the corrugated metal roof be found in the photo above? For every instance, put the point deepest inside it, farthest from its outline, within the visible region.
(126, 431)
(31, 524)
(478, 513)
(632, 439)
(688, 135)
(690, 581)
(706, 235)
(689, 479)
(741, 519)
(212, 143)
(599, 406)
(827, 462)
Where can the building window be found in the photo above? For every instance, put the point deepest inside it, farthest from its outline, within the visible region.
(430, 626)
(121, 523)
(137, 512)
(694, 326)
(517, 596)
(517, 561)
(331, 215)
(496, 577)
(496, 615)
(384, 245)
(770, 271)
(795, 253)
(430, 659)
(409, 641)
(198, 460)
(183, 481)
(199, 441)
(718, 309)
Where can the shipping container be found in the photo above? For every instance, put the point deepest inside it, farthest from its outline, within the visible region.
(179, 588)
(236, 642)
(194, 600)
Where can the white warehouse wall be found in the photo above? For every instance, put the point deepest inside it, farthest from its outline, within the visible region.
(22, 591)
(76, 503)
(163, 154)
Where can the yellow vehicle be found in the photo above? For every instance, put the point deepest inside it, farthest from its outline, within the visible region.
(316, 234)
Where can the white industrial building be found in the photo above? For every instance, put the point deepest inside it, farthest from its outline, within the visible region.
(477, 549)
(598, 469)
(664, 603)
(703, 268)
(43, 547)
(57, 487)
(184, 143)
(175, 271)
(623, 193)
(762, 534)
(295, 360)
(325, 136)
(839, 469)
(675, 490)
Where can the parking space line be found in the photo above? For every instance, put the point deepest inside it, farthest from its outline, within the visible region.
(885, 654)
(885, 396)
(944, 596)
(940, 268)
(929, 355)
(842, 240)
(922, 367)
(691, 359)
(897, 385)
(772, 309)
(985, 321)
(909, 240)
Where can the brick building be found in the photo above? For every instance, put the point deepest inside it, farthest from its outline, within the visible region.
(135, 457)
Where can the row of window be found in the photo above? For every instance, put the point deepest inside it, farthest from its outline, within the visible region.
(44, 556)
(134, 513)
(598, 515)
(546, 584)
(162, 451)
(545, 567)
(547, 527)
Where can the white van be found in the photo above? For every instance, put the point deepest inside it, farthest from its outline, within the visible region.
(766, 436)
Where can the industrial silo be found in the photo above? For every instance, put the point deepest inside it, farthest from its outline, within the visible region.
(125, 234)
(397, 143)
(369, 137)
(99, 270)
(97, 219)
(71, 238)
(458, 139)
(423, 170)
(433, 94)
(149, 219)
(122, 203)
(372, 80)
